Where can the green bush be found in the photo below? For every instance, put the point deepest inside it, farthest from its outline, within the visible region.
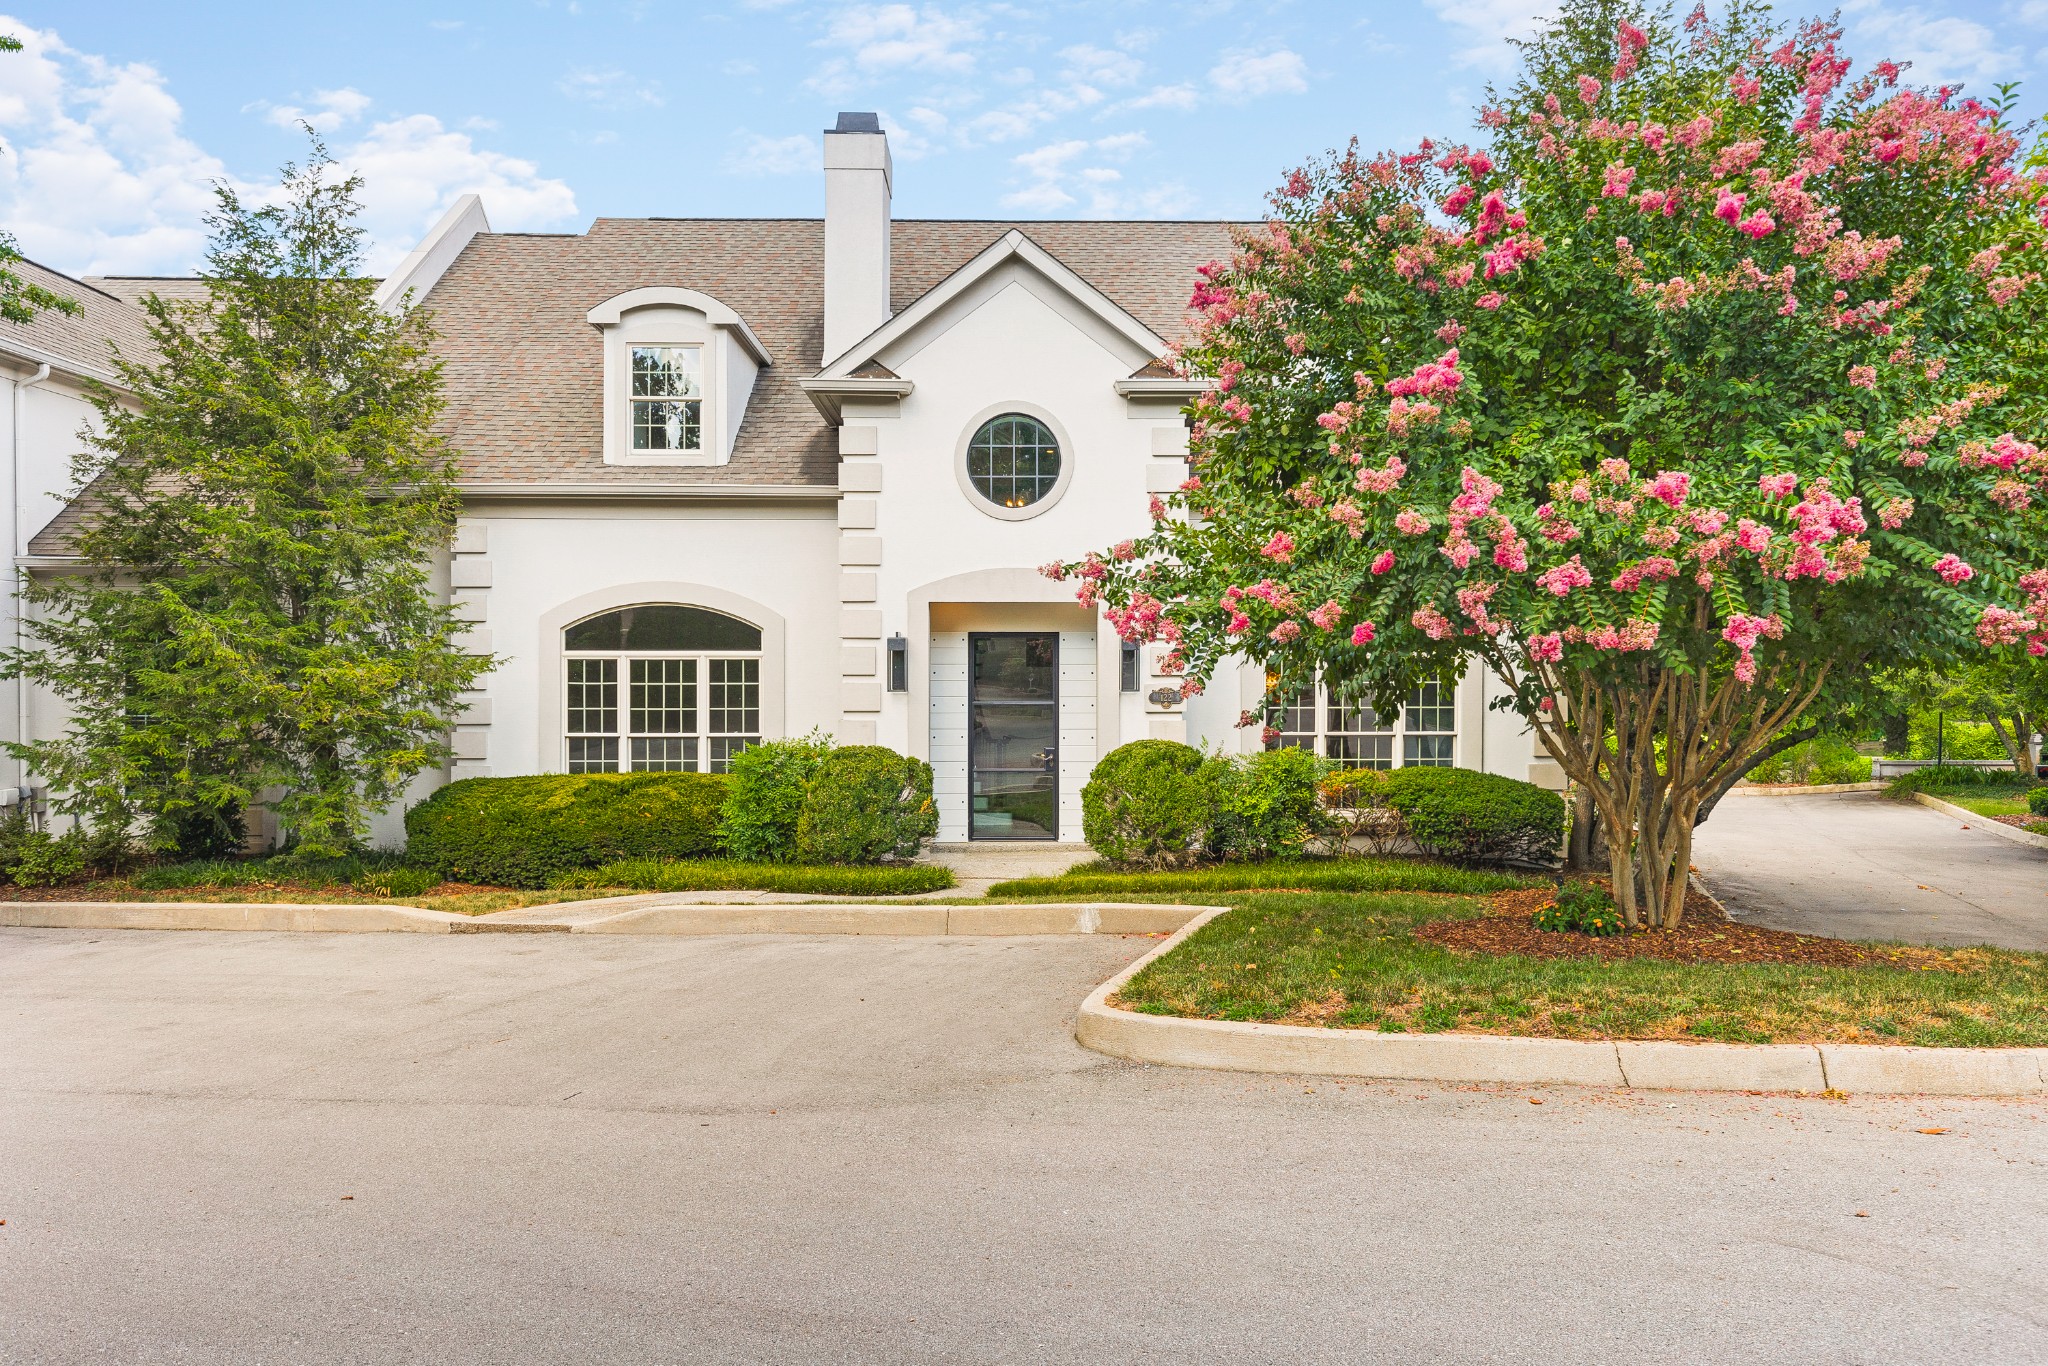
(704, 875)
(1581, 909)
(1266, 804)
(520, 832)
(864, 804)
(1955, 777)
(1148, 804)
(1927, 731)
(41, 859)
(1471, 817)
(2037, 800)
(765, 797)
(402, 880)
(1820, 761)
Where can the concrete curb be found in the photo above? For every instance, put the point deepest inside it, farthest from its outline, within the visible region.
(899, 918)
(229, 915)
(1984, 823)
(1101, 917)
(1646, 1064)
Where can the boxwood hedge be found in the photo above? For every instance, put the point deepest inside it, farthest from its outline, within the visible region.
(521, 832)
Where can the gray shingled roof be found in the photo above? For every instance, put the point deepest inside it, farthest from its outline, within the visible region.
(83, 340)
(524, 369)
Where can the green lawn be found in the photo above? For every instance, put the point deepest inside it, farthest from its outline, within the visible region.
(1986, 803)
(1350, 961)
(1096, 881)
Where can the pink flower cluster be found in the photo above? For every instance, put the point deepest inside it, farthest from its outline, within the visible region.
(1544, 649)
(1280, 549)
(1634, 635)
(1561, 580)
(1669, 487)
(1818, 518)
(1362, 633)
(1743, 632)
(1432, 623)
(1437, 377)
(1953, 569)
(1648, 570)
(1328, 615)
(1142, 620)
(1777, 485)
(1384, 479)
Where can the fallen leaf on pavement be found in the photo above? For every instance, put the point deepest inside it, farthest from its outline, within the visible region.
(1931, 1131)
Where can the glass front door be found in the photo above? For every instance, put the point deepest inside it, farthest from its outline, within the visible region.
(1013, 736)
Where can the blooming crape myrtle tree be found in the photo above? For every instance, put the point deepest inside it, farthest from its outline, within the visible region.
(1701, 387)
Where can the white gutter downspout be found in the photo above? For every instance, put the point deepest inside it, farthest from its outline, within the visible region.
(15, 550)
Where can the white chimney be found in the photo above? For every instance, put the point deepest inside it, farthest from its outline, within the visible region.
(856, 231)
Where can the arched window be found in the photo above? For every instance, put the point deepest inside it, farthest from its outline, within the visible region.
(691, 685)
(1013, 460)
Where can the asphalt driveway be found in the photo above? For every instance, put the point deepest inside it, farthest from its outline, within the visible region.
(1857, 866)
(407, 1148)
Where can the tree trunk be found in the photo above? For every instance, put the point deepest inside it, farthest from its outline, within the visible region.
(1898, 742)
(2014, 740)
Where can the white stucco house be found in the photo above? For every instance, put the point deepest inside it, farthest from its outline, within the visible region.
(727, 479)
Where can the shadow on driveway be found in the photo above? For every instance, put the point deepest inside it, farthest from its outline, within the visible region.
(1857, 866)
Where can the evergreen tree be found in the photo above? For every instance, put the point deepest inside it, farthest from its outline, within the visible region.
(254, 619)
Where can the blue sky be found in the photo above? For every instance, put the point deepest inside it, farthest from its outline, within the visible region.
(120, 113)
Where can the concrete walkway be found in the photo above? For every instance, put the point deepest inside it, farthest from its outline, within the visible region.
(1859, 867)
(981, 865)
(503, 1148)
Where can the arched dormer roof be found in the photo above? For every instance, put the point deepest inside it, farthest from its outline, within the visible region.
(608, 313)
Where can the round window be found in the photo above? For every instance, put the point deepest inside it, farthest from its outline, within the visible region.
(1013, 461)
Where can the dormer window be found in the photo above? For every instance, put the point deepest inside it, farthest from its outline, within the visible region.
(668, 398)
(679, 370)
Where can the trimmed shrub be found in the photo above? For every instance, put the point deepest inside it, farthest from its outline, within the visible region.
(1149, 804)
(1471, 817)
(700, 875)
(2037, 800)
(764, 798)
(520, 832)
(864, 804)
(1266, 804)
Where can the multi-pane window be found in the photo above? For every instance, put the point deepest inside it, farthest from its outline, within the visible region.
(668, 398)
(691, 684)
(1349, 734)
(1428, 725)
(1013, 460)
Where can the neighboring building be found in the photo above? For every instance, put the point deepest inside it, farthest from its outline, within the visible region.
(727, 479)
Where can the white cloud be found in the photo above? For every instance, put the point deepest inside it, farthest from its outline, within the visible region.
(330, 110)
(884, 38)
(413, 169)
(609, 88)
(1071, 175)
(1101, 66)
(1942, 49)
(757, 154)
(99, 177)
(1182, 97)
(1244, 75)
(1484, 27)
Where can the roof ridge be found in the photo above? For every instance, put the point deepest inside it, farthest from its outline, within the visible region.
(79, 280)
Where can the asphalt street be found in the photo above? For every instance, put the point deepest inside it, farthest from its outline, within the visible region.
(1857, 866)
(220, 1147)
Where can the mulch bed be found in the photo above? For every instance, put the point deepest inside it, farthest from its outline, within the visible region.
(2037, 825)
(1707, 936)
